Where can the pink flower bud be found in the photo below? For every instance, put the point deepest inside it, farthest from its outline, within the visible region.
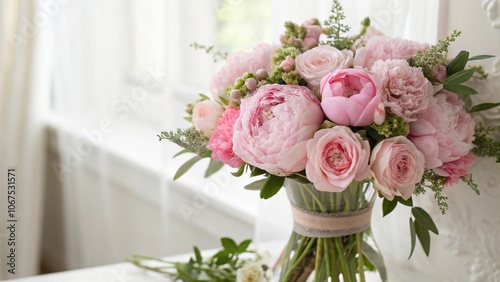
(288, 64)
(261, 73)
(235, 94)
(251, 83)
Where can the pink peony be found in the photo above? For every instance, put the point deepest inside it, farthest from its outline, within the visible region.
(205, 116)
(444, 132)
(396, 166)
(454, 170)
(351, 97)
(314, 64)
(386, 48)
(405, 90)
(336, 157)
(274, 125)
(221, 142)
(370, 32)
(238, 64)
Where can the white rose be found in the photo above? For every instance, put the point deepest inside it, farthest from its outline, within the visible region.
(205, 116)
(252, 272)
(314, 64)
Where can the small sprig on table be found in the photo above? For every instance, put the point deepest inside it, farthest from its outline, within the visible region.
(234, 262)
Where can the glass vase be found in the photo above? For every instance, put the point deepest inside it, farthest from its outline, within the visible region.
(331, 239)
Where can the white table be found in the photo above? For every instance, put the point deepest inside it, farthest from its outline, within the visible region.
(127, 272)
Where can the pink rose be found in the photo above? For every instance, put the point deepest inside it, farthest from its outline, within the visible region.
(205, 116)
(444, 132)
(314, 64)
(336, 157)
(386, 48)
(405, 90)
(221, 142)
(454, 170)
(396, 166)
(238, 64)
(274, 125)
(351, 97)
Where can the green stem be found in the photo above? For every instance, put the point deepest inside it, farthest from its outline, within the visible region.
(342, 260)
(360, 258)
(301, 257)
(319, 254)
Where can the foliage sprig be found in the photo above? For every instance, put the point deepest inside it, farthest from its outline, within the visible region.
(191, 139)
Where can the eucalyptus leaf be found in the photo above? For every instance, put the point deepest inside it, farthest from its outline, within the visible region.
(272, 186)
(480, 57)
(460, 89)
(424, 237)
(408, 203)
(213, 167)
(181, 152)
(375, 259)
(256, 185)
(186, 166)
(388, 206)
(240, 171)
(424, 219)
(483, 107)
(458, 63)
(413, 237)
(459, 77)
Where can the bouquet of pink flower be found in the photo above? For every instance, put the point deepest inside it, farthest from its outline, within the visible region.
(344, 109)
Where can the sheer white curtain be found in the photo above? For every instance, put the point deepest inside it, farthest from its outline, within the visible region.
(24, 84)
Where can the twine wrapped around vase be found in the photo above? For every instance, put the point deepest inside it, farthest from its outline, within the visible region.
(323, 225)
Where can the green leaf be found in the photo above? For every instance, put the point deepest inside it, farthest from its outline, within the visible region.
(181, 152)
(460, 89)
(413, 236)
(197, 253)
(186, 166)
(299, 177)
(458, 63)
(424, 219)
(213, 167)
(388, 206)
(240, 171)
(222, 257)
(408, 203)
(424, 237)
(255, 171)
(272, 186)
(375, 259)
(256, 185)
(229, 244)
(480, 57)
(459, 77)
(483, 107)
(243, 246)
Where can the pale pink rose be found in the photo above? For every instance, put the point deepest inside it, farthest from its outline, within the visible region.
(221, 142)
(274, 125)
(405, 90)
(287, 64)
(455, 170)
(351, 97)
(238, 64)
(444, 132)
(314, 64)
(205, 116)
(396, 166)
(336, 157)
(386, 48)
